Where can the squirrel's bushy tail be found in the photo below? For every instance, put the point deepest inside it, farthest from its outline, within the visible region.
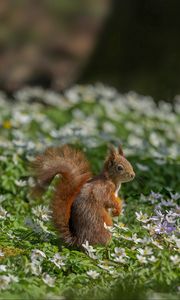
(75, 171)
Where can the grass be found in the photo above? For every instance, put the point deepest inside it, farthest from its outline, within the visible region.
(142, 260)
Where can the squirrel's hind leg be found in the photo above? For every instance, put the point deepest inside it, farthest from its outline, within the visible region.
(104, 237)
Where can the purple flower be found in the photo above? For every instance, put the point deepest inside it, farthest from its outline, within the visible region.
(167, 203)
(158, 217)
(175, 196)
(164, 227)
(155, 195)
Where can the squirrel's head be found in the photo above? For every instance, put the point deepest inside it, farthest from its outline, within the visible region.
(117, 166)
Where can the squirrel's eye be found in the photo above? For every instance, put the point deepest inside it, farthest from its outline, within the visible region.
(119, 168)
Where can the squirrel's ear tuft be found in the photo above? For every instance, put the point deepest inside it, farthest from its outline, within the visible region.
(112, 151)
(120, 150)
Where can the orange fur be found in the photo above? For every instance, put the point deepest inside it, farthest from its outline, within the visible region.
(80, 203)
(107, 218)
(118, 206)
(74, 168)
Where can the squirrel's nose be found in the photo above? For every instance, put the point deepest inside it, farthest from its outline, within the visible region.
(132, 175)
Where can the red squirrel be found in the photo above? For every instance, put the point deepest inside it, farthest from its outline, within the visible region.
(80, 203)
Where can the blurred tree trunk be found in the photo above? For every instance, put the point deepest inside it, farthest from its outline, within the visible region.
(47, 42)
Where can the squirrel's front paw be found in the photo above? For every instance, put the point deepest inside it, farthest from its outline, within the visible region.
(116, 212)
(118, 207)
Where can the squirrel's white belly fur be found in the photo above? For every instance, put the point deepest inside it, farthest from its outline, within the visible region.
(117, 190)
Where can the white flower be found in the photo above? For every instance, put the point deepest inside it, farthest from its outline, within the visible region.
(4, 282)
(149, 227)
(174, 239)
(42, 212)
(142, 167)
(6, 279)
(58, 260)
(152, 258)
(3, 158)
(121, 226)
(135, 239)
(3, 213)
(22, 118)
(37, 255)
(153, 197)
(109, 127)
(177, 243)
(15, 158)
(31, 181)
(93, 274)
(175, 259)
(3, 268)
(104, 265)
(142, 217)
(30, 145)
(144, 240)
(157, 244)
(171, 218)
(135, 141)
(12, 236)
(160, 161)
(120, 259)
(158, 217)
(43, 226)
(143, 198)
(29, 158)
(109, 228)
(145, 251)
(114, 273)
(119, 255)
(20, 183)
(18, 142)
(175, 196)
(72, 95)
(48, 279)
(120, 252)
(13, 278)
(78, 114)
(125, 237)
(155, 139)
(142, 259)
(169, 203)
(36, 268)
(1, 253)
(89, 249)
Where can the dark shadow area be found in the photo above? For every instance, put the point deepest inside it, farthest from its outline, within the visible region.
(139, 49)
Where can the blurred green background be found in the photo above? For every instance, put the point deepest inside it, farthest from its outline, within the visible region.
(132, 44)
